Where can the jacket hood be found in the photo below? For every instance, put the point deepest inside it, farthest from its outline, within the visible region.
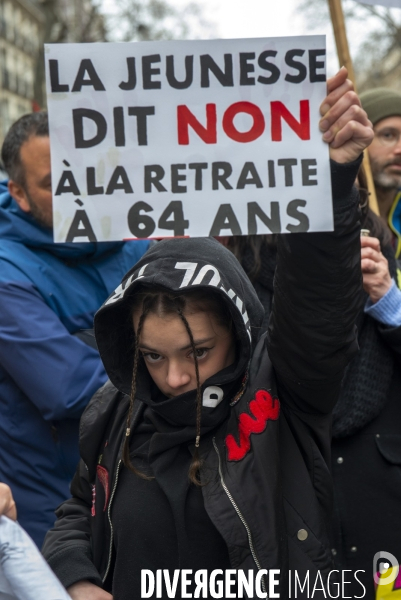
(176, 265)
(19, 226)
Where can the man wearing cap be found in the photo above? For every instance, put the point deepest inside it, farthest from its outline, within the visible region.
(366, 446)
(383, 107)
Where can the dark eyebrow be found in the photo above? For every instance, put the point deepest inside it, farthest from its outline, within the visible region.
(196, 343)
(143, 347)
(388, 130)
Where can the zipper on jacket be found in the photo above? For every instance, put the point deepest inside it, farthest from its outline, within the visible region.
(237, 510)
(110, 523)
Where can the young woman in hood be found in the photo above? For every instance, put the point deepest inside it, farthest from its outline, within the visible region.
(209, 447)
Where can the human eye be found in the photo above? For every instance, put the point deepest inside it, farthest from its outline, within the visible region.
(151, 357)
(200, 353)
(388, 135)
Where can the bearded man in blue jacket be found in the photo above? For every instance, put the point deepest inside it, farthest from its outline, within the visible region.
(48, 294)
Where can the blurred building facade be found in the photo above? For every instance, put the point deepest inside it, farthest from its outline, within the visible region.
(21, 25)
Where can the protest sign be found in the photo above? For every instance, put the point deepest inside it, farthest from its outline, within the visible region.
(24, 573)
(161, 139)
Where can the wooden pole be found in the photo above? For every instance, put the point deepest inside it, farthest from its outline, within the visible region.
(344, 57)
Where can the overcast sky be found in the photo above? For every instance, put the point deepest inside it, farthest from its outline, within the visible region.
(262, 18)
(266, 18)
(257, 18)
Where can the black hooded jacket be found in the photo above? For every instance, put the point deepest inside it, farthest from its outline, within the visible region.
(268, 489)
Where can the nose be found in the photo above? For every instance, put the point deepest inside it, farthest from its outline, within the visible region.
(397, 147)
(177, 375)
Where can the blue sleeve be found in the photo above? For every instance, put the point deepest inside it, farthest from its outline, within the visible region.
(58, 372)
(388, 309)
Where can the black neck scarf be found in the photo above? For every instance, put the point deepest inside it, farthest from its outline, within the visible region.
(166, 435)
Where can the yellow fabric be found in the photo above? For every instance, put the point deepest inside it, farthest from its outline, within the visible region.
(385, 591)
(390, 595)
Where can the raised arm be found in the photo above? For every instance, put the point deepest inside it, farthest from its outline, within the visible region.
(312, 334)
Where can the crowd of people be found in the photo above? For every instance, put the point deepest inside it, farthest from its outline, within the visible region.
(245, 419)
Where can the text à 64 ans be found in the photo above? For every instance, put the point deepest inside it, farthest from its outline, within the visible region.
(142, 223)
(146, 222)
(152, 72)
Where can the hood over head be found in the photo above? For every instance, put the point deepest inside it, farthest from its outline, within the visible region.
(177, 265)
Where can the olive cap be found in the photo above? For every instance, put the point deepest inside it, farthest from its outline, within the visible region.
(381, 103)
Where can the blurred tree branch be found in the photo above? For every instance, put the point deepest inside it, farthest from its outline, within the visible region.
(142, 20)
(131, 20)
(67, 21)
(378, 58)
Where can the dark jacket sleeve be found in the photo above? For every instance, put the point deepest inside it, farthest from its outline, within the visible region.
(312, 333)
(67, 547)
(392, 337)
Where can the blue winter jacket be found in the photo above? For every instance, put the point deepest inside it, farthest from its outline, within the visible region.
(47, 375)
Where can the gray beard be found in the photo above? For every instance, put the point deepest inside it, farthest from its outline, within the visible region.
(386, 181)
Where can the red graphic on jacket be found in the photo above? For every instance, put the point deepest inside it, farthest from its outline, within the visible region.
(103, 477)
(263, 408)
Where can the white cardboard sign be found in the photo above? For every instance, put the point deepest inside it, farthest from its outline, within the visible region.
(199, 138)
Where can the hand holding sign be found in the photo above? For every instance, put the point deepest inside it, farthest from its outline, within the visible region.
(161, 139)
(376, 276)
(347, 128)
